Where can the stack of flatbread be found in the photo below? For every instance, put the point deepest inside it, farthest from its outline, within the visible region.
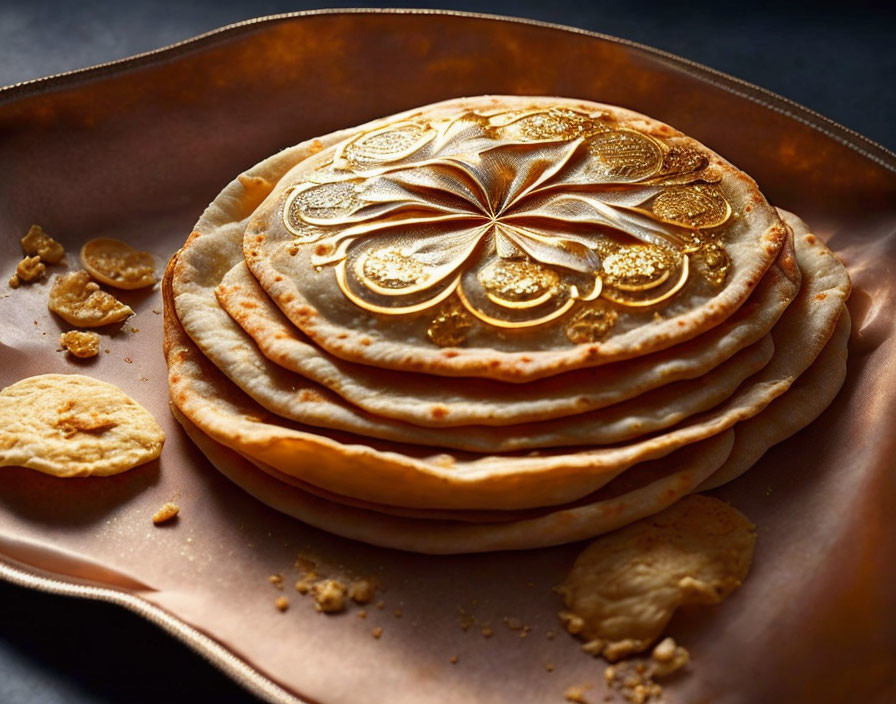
(497, 323)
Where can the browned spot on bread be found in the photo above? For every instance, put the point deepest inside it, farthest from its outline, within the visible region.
(820, 296)
(278, 278)
(450, 353)
(810, 239)
(310, 396)
(439, 412)
(366, 341)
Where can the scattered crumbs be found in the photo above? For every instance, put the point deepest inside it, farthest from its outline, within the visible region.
(549, 666)
(156, 311)
(475, 602)
(107, 351)
(465, 621)
(530, 584)
(276, 580)
(190, 540)
(303, 586)
(550, 635)
(514, 624)
(282, 603)
(166, 513)
(361, 591)
(486, 631)
(377, 632)
(768, 491)
(134, 330)
(381, 605)
(453, 659)
(576, 693)
(329, 596)
(362, 613)
(128, 360)
(397, 613)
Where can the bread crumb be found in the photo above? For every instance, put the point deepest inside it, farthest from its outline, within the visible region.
(165, 513)
(576, 694)
(549, 666)
(486, 631)
(362, 613)
(453, 659)
(361, 591)
(329, 596)
(276, 580)
(282, 603)
(37, 242)
(377, 632)
(397, 613)
(303, 586)
(29, 269)
(80, 343)
(381, 605)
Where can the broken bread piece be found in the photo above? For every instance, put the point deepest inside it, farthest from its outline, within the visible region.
(69, 425)
(624, 587)
(38, 243)
(116, 263)
(79, 301)
(80, 343)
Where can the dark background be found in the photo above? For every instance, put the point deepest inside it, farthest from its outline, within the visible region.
(839, 60)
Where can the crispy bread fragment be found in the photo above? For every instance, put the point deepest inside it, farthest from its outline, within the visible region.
(69, 425)
(624, 587)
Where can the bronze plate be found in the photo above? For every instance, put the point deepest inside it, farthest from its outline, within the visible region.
(137, 148)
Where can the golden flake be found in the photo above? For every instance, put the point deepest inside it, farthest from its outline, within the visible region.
(684, 160)
(716, 263)
(698, 205)
(638, 267)
(626, 154)
(389, 268)
(519, 280)
(556, 123)
(390, 144)
(325, 201)
(451, 326)
(591, 324)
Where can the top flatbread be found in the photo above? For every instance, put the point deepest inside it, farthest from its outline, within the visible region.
(511, 238)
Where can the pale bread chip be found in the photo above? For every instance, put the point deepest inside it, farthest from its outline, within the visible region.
(309, 274)
(70, 425)
(443, 537)
(37, 242)
(406, 476)
(116, 263)
(624, 587)
(80, 343)
(80, 301)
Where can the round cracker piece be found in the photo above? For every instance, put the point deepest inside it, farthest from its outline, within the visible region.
(69, 425)
(116, 263)
(80, 301)
(475, 240)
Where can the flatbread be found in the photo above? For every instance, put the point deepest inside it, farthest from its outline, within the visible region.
(526, 236)
(432, 402)
(402, 475)
(204, 259)
(451, 537)
(807, 399)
